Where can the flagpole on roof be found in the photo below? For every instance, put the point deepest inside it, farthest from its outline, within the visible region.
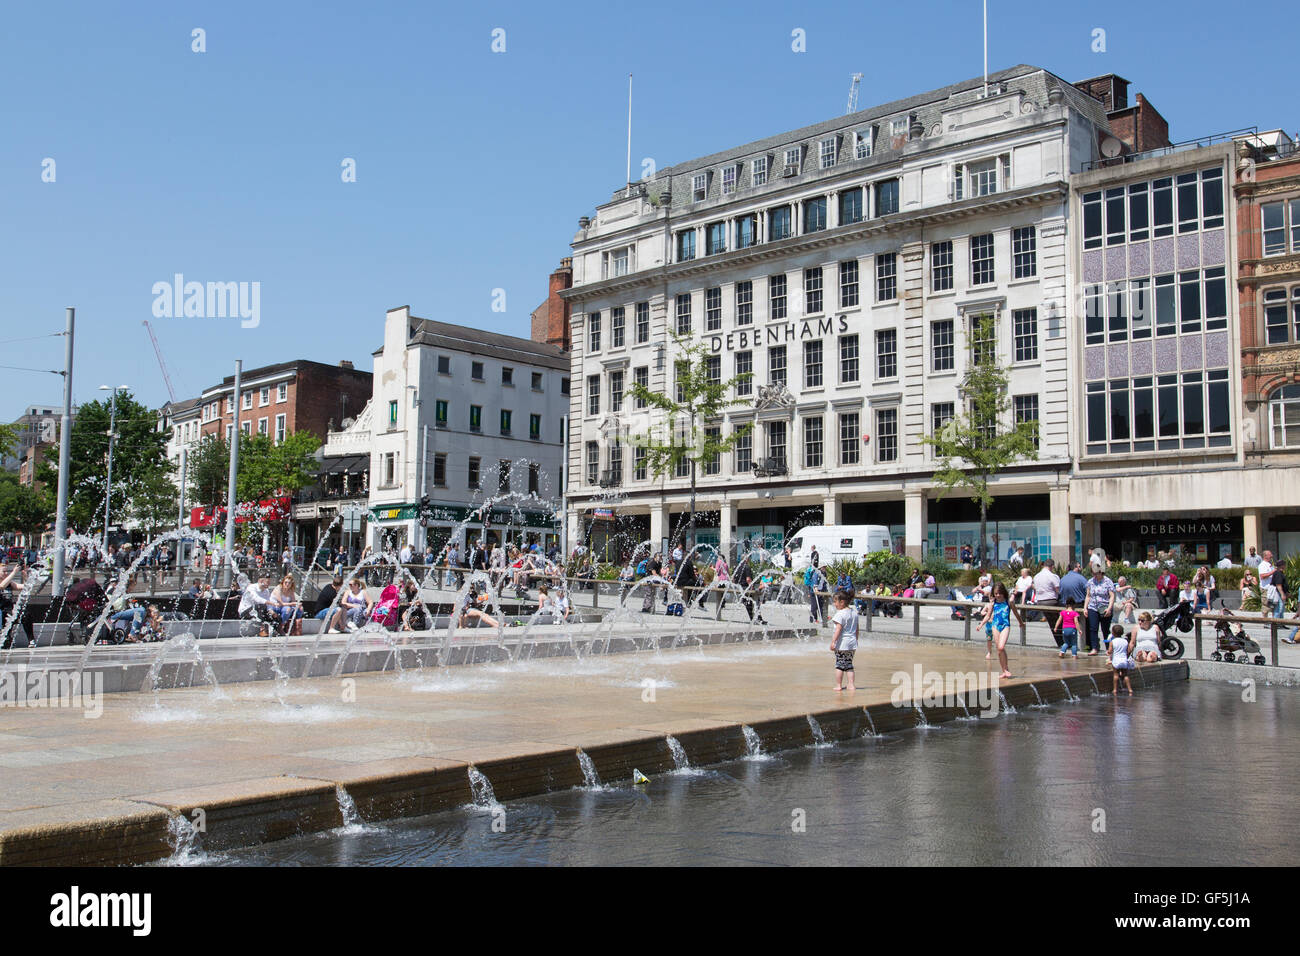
(629, 135)
(986, 49)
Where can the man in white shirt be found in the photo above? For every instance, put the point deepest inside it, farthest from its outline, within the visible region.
(1017, 558)
(253, 604)
(1098, 560)
(405, 556)
(1047, 590)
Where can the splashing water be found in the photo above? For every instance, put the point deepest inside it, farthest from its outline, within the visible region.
(590, 779)
(680, 760)
(921, 719)
(1004, 705)
(481, 791)
(753, 743)
(1038, 695)
(1069, 694)
(819, 738)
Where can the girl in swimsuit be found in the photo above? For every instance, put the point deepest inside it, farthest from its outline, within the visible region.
(997, 625)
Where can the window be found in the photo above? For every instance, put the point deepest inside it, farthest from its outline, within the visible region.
(1091, 203)
(814, 214)
(642, 322)
(779, 223)
(1191, 410)
(776, 297)
(886, 276)
(680, 370)
(941, 413)
(616, 390)
(503, 476)
(850, 453)
(848, 359)
(887, 353)
(1139, 213)
(1024, 252)
(1162, 207)
(744, 303)
(390, 469)
(1188, 206)
(886, 197)
(641, 376)
(826, 153)
(686, 245)
(812, 442)
(684, 314)
(593, 331)
(983, 177)
(1189, 301)
(1212, 198)
(1024, 323)
(744, 452)
(444, 365)
(1281, 325)
(282, 392)
(440, 413)
(850, 206)
(983, 339)
(941, 346)
(776, 441)
(564, 385)
(712, 309)
(759, 171)
(776, 365)
(535, 427)
(476, 371)
(715, 238)
(263, 426)
(593, 463)
(981, 259)
(505, 421)
(1026, 410)
(392, 414)
(812, 365)
(887, 434)
(1281, 227)
(440, 470)
(848, 283)
(245, 401)
(639, 469)
(713, 463)
(699, 187)
(616, 328)
(593, 394)
(618, 261)
(941, 266)
(1284, 417)
(476, 418)
(1115, 206)
(812, 290)
(862, 141)
(713, 369)
(475, 466)
(508, 376)
(792, 157)
(729, 174)
(537, 381)
(745, 366)
(1140, 308)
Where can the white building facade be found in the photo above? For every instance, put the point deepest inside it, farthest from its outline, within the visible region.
(844, 266)
(466, 417)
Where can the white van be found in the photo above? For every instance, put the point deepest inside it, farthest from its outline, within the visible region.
(837, 542)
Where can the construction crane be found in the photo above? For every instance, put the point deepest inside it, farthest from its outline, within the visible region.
(161, 364)
(853, 94)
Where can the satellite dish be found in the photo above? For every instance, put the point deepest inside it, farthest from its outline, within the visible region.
(1111, 147)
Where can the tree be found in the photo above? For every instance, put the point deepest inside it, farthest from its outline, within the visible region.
(138, 449)
(208, 471)
(155, 501)
(976, 445)
(24, 510)
(8, 440)
(267, 469)
(693, 416)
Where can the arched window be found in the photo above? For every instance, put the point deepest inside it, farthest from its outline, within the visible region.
(1284, 417)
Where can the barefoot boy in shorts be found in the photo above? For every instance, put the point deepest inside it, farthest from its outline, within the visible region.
(845, 641)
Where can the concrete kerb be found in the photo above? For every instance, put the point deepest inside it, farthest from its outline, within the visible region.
(249, 812)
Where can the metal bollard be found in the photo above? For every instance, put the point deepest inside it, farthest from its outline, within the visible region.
(1273, 633)
(1024, 633)
(1198, 639)
(965, 626)
(916, 620)
(870, 616)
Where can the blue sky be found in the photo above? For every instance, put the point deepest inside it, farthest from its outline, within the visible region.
(472, 167)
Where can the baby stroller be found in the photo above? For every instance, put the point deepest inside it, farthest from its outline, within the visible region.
(958, 613)
(86, 598)
(1231, 641)
(384, 612)
(1179, 617)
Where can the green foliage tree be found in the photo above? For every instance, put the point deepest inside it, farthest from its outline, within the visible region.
(267, 469)
(23, 509)
(208, 471)
(154, 502)
(138, 450)
(977, 444)
(692, 416)
(8, 440)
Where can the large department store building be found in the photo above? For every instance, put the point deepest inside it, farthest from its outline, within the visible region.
(843, 264)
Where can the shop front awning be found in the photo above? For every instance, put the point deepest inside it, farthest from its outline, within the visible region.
(345, 465)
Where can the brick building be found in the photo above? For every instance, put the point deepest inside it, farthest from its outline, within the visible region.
(278, 400)
(551, 318)
(1138, 127)
(1267, 187)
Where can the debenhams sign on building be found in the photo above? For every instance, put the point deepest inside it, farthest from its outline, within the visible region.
(776, 334)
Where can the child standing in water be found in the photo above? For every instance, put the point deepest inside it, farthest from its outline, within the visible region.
(1119, 659)
(997, 625)
(845, 641)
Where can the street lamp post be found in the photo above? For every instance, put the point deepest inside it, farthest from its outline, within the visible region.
(112, 428)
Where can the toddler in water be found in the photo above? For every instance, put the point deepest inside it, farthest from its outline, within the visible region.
(1119, 659)
(1068, 625)
(845, 641)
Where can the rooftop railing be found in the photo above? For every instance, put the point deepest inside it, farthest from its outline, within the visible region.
(1184, 146)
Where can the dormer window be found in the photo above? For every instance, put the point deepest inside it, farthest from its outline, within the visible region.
(759, 175)
(699, 187)
(898, 126)
(730, 174)
(826, 153)
(791, 166)
(863, 140)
